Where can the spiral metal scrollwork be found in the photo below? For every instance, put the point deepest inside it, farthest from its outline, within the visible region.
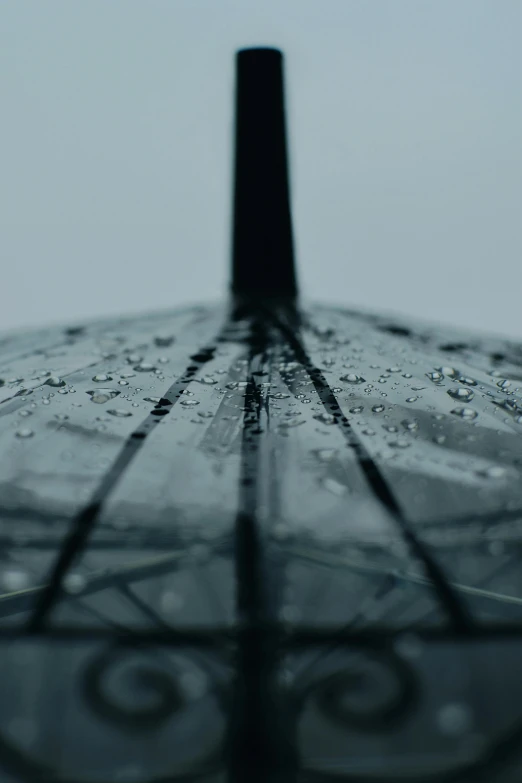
(169, 697)
(338, 695)
(168, 700)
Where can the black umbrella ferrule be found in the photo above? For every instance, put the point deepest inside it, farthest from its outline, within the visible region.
(263, 251)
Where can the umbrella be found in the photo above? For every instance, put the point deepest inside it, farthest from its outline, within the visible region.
(263, 540)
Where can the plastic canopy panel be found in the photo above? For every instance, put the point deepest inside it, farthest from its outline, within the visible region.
(265, 540)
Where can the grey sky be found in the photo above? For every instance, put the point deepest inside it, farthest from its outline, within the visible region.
(405, 121)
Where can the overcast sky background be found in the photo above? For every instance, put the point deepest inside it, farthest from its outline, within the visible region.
(405, 123)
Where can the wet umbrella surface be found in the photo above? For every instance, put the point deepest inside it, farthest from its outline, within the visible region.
(262, 541)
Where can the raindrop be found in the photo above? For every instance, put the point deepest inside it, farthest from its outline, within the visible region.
(333, 486)
(74, 583)
(14, 579)
(451, 372)
(368, 432)
(493, 472)
(102, 378)
(25, 413)
(439, 439)
(504, 384)
(144, 367)
(102, 395)
(435, 376)
(411, 399)
(326, 455)
(280, 396)
(454, 719)
(410, 424)
(163, 340)
(54, 381)
(152, 399)
(466, 395)
(399, 443)
(207, 379)
(127, 375)
(325, 418)
(24, 433)
(509, 405)
(407, 375)
(378, 408)
(123, 383)
(357, 409)
(465, 413)
(393, 369)
(352, 378)
(390, 429)
(189, 402)
(467, 381)
(205, 414)
(120, 413)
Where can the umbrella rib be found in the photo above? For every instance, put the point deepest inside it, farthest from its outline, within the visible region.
(447, 595)
(257, 750)
(125, 590)
(84, 522)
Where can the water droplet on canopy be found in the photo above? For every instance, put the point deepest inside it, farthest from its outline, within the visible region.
(54, 381)
(461, 394)
(24, 433)
(119, 412)
(101, 396)
(465, 413)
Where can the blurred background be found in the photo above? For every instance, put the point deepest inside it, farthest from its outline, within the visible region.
(405, 123)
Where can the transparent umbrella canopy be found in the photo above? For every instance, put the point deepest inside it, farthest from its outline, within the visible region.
(263, 540)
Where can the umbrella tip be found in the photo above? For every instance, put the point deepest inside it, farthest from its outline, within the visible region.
(263, 251)
(259, 52)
